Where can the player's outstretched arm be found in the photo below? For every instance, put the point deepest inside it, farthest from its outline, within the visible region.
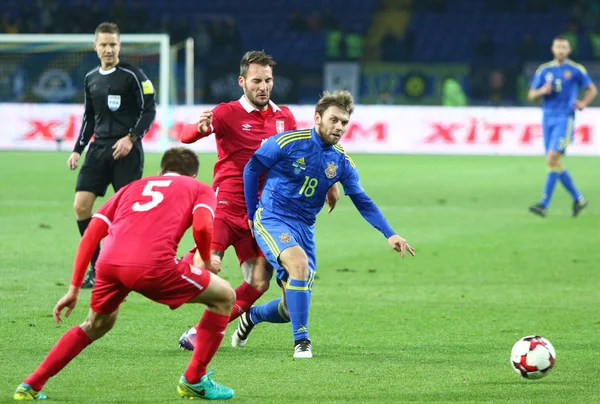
(252, 172)
(95, 232)
(202, 230)
(195, 131)
(369, 210)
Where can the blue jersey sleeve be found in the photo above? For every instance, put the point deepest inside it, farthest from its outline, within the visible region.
(252, 173)
(350, 179)
(269, 152)
(584, 78)
(538, 79)
(267, 155)
(371, 213)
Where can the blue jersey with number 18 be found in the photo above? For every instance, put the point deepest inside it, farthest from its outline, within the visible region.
(302, 168)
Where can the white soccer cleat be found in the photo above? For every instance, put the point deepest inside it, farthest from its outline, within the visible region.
(303, 350)
(236, 341)
(240, 336)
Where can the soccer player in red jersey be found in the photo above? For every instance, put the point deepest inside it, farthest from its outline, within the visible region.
(240, 127)
(143, 224)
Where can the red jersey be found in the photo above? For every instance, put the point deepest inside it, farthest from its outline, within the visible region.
(148, 218)
(240, 129)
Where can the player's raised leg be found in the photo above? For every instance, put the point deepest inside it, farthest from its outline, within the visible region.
(66, 349)
(196, 382)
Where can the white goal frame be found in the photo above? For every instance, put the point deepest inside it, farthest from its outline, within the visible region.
(164, 60)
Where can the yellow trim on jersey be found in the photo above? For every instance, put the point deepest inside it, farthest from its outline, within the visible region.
(544, 65)
(577, 66)
(293, 139)
(265, 234)
(340, 149)
(283, 138)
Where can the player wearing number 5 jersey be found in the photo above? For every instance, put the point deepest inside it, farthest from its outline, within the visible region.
(143, 224)
(301, 166)
(559, 83)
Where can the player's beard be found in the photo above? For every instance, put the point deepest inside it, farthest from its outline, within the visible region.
(254, 101)
(326, 135)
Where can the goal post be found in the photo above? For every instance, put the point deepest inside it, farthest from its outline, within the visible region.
(49, 68)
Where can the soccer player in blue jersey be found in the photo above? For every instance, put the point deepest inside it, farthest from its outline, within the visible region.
(559, 82)
(301, 166)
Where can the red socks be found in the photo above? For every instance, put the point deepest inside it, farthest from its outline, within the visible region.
(211, 331)
(246, 295)
(68, 347)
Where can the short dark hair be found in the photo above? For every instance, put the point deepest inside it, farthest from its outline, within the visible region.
(339, 98)
(180, 160)
(560, 38)
(108, 28)
(256, 57)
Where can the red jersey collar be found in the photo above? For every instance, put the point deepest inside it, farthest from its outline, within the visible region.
(249, 107)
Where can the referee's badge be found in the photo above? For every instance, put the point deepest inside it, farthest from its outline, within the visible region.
(114, 102)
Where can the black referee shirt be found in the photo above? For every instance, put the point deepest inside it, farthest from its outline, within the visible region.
(118, 101)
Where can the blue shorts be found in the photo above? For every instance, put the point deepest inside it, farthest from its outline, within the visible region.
(558, 132)
(274, 234)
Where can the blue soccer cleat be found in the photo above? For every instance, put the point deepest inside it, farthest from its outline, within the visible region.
(26, 393)
(187, 341)
(207, 389)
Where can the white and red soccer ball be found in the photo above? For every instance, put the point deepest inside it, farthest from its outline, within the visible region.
(532, 357)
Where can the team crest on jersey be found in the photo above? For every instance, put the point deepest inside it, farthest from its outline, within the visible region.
(331, 170)
(568, 74)
(280, 126)
(299, 165)
(285, 238)
(114, 102)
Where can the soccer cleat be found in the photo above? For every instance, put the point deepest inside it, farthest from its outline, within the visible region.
(539, 210)
(207, 389)
(187, 341)
(578, 206)
(240, 336)
(90, 279)
(26, 393)
(303, 349)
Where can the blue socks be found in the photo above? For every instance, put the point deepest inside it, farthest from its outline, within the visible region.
(567, 181)
(549, 188)
(297, 296)
(271, 312)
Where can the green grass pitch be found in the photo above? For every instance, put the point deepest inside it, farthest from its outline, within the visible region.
(437, 327)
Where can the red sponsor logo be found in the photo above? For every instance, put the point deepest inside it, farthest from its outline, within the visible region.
(51, 130)
(492, 133)
(378, 132)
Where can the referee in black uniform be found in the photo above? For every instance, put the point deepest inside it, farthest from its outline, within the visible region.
(119, 110)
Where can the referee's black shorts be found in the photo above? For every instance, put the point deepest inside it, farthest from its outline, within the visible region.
(100, 168)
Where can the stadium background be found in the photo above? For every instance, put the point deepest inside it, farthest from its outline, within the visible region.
(435, 328)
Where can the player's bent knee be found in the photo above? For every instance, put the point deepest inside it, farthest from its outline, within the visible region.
(97, 325)
(223, 295)
(83, 204)
(261, 285)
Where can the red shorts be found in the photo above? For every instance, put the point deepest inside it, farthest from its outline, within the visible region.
(230, 228)
(172, 285)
